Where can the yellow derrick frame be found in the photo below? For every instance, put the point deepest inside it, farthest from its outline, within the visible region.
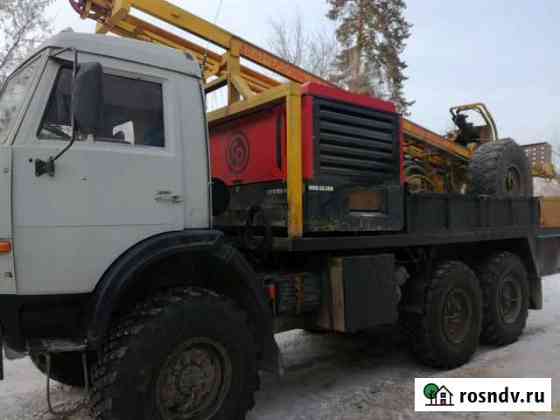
(115, 16)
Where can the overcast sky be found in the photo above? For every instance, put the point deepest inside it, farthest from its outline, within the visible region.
(501, 52)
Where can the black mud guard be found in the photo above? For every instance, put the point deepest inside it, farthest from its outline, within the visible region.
(209, 244)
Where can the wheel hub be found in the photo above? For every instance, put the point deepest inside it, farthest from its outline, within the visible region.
(513, 181)
(509, 300)
(194, 381)
(457, 316)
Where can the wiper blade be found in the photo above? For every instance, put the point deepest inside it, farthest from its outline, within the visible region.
(56, 130)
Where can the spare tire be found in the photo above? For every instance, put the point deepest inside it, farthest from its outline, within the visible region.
(501, 169)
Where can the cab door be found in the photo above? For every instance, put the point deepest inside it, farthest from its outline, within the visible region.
(7, 275)
(108, 192)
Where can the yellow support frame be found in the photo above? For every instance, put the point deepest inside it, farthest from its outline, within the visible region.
(251, 104)
(295, 161)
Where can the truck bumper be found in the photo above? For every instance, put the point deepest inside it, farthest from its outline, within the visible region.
(27, 318)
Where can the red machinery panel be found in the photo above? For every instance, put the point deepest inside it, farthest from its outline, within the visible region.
(252, 149)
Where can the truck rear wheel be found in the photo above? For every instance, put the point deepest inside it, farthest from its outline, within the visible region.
(505, 292)
(185, 354)
(446, 332)
(501, 169)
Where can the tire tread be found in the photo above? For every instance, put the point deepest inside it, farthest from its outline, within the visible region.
(491, 333)
(484, 167)
(131, 326)
(417, 325)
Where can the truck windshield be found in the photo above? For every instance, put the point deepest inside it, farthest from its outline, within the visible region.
(12, 96)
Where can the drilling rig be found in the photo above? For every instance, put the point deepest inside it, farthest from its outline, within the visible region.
(432, 162)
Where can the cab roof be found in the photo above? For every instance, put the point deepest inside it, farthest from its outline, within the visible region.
(127, 49)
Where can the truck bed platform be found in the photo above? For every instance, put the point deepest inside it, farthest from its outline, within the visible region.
(436, 219)
(440, 219)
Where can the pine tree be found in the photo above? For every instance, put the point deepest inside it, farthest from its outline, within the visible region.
(373, 35)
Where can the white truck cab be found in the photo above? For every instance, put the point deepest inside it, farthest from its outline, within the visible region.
(105, 202)
(131, 181)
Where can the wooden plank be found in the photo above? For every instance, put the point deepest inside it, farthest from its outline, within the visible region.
(550, 212)
(337, 290)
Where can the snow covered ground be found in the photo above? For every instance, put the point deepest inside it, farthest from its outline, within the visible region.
(347, 378)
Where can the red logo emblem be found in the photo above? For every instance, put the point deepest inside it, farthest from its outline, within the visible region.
(238, 153)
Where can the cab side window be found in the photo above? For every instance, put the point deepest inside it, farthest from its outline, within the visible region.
(132, 113)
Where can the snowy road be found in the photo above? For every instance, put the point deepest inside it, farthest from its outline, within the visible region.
(335, 377)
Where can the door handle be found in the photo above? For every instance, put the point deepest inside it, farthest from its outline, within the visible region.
(168, 197)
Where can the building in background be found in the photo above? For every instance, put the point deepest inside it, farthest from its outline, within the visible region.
(539, 153)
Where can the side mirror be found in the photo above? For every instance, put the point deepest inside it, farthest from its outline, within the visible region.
(87, 98)
(87, 109)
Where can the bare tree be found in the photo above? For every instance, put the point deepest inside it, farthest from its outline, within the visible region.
(288, 40)
(322, 52)
(315, 52)
(23, 25)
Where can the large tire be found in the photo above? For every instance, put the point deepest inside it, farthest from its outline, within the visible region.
(66, 368)
(186, 353)
(446, 332)
(501, 169)
(505, 292)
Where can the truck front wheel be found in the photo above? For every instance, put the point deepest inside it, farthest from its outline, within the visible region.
(185, 354)
(505, 294)
(446, 332)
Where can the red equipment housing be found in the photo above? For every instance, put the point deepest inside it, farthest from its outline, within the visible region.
(252, 149)
(351, 158)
